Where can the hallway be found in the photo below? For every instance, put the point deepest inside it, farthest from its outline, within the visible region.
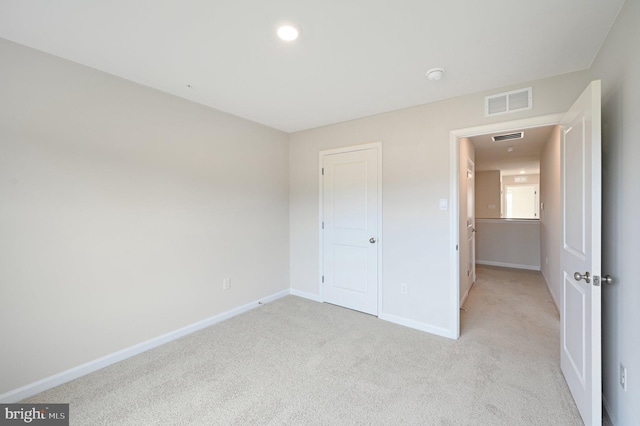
(510, 315)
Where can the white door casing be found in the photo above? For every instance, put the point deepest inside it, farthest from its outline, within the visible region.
(350, 228)
(456, 229)
(471, 224)
(580, 314)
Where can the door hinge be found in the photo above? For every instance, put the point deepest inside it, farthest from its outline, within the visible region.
(323, 171)
(323, 278)
(456, 247)
(322, 225)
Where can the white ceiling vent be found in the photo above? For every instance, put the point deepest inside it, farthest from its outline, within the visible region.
(508, 136)
(503, 103)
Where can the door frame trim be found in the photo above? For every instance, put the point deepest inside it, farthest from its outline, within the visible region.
(454, 178)
(353, 148)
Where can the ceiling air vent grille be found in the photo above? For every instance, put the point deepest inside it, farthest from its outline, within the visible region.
(503, 103)
(509, 136)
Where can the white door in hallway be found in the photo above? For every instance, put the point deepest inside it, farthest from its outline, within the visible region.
(581, 301)
(350, 234)
(471, 224)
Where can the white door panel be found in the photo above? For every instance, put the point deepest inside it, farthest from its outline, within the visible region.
(350, 235)
(581, 305)
(471, 224)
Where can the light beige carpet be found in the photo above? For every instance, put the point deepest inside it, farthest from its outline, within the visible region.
(299, 362)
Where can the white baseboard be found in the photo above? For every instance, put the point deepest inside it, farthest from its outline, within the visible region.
(305, 295)
(439, 331)
(613, 419)
(390, 318)
(464, 296)
(95, 365)
(508, 265)
(553, 296)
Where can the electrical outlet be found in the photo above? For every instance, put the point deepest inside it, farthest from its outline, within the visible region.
(623, 377)
(404, 288)
(226, 283)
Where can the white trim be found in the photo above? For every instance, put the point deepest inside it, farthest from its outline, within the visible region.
(97, 364)
(454, 157)
(320, 224)
(508, 265)
(439, 331)
(555, 301)
(510, 221)
(351, 148)
(372, 145)
(454, 233)
(464, 296)
(306, 295)
(507, 126)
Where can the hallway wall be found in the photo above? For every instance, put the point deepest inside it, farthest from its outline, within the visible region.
(551, 215)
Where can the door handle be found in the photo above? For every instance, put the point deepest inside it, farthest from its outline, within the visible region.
(372, 240)
(586, 277)
(607, 279)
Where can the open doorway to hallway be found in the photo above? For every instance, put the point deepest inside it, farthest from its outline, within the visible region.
(517, 175)
(580, 249)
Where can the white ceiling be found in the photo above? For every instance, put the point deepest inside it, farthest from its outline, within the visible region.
(354, 58)
(525, 156)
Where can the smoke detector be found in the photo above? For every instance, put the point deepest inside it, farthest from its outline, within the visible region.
(435, 74)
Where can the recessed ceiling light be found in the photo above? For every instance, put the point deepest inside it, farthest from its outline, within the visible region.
(522, 172)
(435, 74)
(288, 32)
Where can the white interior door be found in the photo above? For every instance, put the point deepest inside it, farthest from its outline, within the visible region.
(522, 201)
(471, 224)
(581, 201)
(350, 234)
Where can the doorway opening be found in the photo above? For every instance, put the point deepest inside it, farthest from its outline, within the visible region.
(579, 206)
(462, 150)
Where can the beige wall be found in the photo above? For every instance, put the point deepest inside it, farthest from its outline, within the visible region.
(551, 215)
(488, 194)
(122, 210)
(508, 243)
(618, 65)
(417, 242)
